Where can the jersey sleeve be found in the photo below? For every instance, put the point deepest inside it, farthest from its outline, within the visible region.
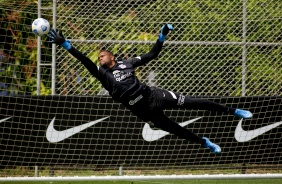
(91, 67)
(145, 58)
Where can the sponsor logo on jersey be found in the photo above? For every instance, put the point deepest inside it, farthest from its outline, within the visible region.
(120, 75)
(132, 102)
(122, 66)
(181, 99)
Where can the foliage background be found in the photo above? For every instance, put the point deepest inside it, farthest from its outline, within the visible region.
(191, 61)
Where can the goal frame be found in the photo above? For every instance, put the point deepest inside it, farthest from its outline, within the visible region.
(149, 177)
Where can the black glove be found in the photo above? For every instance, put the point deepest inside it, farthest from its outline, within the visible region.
(58, 39)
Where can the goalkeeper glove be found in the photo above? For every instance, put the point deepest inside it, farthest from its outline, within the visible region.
(58, 39)
(164, 31)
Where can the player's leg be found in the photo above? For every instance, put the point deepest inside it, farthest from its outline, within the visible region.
(165, 99)
(161, 121)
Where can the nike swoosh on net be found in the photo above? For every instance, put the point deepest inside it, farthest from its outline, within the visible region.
(244, 136)
(152, 135)
(54, 136)
(4, 119)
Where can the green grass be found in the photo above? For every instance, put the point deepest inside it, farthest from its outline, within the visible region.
(235, 181)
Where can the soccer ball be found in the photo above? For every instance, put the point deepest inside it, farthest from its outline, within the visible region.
(40, 27)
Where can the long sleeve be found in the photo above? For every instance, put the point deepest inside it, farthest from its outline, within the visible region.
(152, 54)
(91, 67)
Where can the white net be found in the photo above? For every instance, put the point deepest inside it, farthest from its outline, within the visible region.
(80, 136)
(218, 48)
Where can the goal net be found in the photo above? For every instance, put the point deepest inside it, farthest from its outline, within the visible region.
(228, 52)
(94, 135)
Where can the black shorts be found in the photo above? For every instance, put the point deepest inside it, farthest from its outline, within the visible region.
(151, 105)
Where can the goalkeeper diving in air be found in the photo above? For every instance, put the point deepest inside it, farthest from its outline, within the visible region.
(147, 103)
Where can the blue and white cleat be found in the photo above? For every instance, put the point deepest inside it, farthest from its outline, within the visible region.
(213, 147)
(243, 114)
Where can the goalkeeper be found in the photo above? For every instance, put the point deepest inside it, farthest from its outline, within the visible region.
(147, 103)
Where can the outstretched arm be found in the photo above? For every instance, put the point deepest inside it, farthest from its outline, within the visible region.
(91, 67)
(154, 52)
(59, 39)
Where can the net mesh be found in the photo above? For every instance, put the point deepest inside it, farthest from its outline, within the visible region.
(229, 48)
(42, 131)
(217, 48)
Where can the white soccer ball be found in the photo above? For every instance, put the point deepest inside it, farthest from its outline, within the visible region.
(40, 27)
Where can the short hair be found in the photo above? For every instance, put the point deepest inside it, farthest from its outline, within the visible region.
(105, 50)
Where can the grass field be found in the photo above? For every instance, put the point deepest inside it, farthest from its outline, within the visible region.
(237, 181)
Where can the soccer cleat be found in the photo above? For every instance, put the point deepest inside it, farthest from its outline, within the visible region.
(243, 114)
(213, 147)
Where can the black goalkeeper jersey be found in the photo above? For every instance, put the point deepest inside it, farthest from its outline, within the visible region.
(120, 80)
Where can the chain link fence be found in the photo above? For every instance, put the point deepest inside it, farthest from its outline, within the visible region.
(218, 48)
(18, 49)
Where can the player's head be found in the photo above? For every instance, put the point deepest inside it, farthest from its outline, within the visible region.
(106, 58)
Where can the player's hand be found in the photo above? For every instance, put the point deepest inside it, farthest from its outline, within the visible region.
(54, 37)
(164, 31)
(58, 39)
(166, 28)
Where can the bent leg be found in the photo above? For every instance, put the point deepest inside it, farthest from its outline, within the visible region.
(161, 121)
